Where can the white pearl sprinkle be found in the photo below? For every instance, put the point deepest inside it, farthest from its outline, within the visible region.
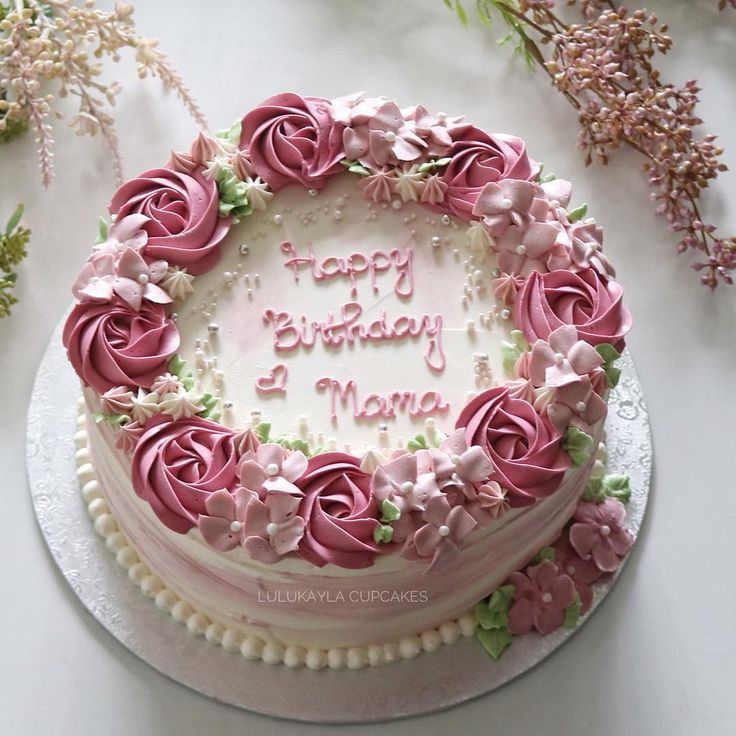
(407, 486)
(559, 358)
(397, 204)
(570, 570)
(340, 202)
(390, 136)
(244, 249)
(212, 327)
(236, 526)
(455, 459)
(443, 530)
(143, 278)
(278, 219)
(338, 214)
(506, 203)
(312, 192)
(521, 249)
(554, 203)
(435, 241)
(272, 529)
(547, 598)
(605, 530)
(580, 406)
(271, 469)
(445, 219)
(504, 314)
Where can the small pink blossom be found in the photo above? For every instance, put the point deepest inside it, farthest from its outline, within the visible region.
(384, 137)
(505, 203)
(583, 572)
(489, 504)
(272, 528)
(271, 469)
(599, 532)
(222, 525)
(443, 533)
(541, 595)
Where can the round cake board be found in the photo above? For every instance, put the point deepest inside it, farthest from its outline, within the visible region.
(430, 682)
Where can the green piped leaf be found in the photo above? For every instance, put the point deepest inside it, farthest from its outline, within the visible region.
(511, 351)
(210, 403)
(102, 230)
(572, 612)
(418, 442)
(494, 641)
(594, 491)
(578, 445)
(383, 534)
(546, 553)
(617, 486)
(547, 178)
(116, 420)
(233, 199)
(231, 134)
(433, 164)
(540, 172)
(488, 619)
(389, 511)
(610, 355)
(355, 167)
(263, 430)
(501, 598)
(177, 365)
(578, 213)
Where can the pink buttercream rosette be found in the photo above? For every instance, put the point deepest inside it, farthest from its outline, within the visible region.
(113, 345)
(339, 512)
(293, 140)
(183, 226)
(524, 447)
(478, 158)
(178, 464)
(587, 300)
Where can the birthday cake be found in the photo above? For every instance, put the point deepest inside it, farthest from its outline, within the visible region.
(345, 370)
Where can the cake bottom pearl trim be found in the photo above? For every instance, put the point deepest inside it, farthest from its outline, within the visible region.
(250, 646)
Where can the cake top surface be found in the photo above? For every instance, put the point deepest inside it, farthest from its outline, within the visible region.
(342, 328)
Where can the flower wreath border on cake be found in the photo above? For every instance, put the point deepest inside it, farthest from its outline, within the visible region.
(512, 443)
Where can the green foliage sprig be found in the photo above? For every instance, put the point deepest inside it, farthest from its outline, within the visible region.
(13, 242)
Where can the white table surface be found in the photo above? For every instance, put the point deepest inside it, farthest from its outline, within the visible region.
(654, 659)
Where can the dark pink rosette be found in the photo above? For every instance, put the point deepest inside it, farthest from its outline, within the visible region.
(113, 345)
(293, 140)
(179, 463)
(339, 512)
(184, 227)
(477, 159)
(526, 450)
(587, 300)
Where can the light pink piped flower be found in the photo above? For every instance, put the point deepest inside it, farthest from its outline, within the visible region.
(444, 530)
(505, 203)
(489, 504)
(272, 528)
(222, 525)
(541, 595)
(599, 532)
(563, 367)
(384, 137)
(583, 572)
(271, 469)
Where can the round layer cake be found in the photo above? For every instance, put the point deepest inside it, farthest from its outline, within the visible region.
(345, 368)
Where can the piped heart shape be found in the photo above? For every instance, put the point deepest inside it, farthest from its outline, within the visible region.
(274, 382)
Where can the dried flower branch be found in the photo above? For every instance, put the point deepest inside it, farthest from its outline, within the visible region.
(13, 243)
(57, 41)
(605, 69)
